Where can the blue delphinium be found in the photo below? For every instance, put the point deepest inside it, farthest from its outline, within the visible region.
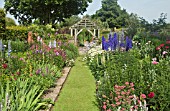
(115, 41)
(122, 44)
(103, 42)
(128, 43)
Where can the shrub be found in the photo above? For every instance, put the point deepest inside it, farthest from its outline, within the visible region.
(2, 24)
(17, 33)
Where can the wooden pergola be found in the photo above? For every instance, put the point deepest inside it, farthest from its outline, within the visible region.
(84, 23)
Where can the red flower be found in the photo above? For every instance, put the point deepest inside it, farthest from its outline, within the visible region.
(168, 42)
(167, 47)
(158, 48)
(4, 66)
(161, 45)
(18, 73)
(151, 94)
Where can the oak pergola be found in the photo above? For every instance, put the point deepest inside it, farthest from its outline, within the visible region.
(84, 23)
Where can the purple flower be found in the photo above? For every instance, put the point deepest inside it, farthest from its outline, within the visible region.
(49, 34)
(115, 41)
(57, 53)
(47, 70)
(122, 44)
(38, 71)
(103, 42)
(21, 59)
(56, 33)
(128, 43)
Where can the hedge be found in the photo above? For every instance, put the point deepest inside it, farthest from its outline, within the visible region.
(17, 33)
(2, 24)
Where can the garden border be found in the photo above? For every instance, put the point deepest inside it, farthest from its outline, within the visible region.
(54, 92)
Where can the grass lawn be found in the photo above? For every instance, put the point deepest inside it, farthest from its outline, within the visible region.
(78, 93)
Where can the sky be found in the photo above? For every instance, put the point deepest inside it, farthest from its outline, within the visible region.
(148, 9)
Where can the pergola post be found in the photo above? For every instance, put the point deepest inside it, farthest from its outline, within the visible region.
(98, 33)
(95, 32)
(75, 37)
(71, 32)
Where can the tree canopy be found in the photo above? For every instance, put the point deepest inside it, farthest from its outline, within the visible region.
(112, 14)
(47, 11)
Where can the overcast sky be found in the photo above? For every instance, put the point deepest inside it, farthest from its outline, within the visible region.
(149, 9)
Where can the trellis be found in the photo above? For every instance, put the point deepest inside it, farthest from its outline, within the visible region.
(84, 23)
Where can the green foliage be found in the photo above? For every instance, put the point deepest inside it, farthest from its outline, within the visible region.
(112, 14)
(133, 25)
(63, 37)
(45, 11)
(16, 33)
(21, 95)
(10, 22)
(2, 23)
(71, 51)
(17, 46)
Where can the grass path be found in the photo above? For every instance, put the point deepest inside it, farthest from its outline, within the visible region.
(78, 93)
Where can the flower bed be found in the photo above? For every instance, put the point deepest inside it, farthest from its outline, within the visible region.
(26, 74)
(132, 80)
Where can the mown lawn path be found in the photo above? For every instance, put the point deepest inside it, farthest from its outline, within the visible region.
(78, 92)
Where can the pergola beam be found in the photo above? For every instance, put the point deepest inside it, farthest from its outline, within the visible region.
(84, 23)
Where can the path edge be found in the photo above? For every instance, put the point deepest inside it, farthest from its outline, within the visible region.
(54, 92)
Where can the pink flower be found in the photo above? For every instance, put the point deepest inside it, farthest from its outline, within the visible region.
(108, 110)
(132, 89)
(113, 105)
(164, 52)
(143, 96)
(104, 107)
(119, 97)
(131, 97)
(116, 99)
(118, 93)
(127, 83)
(131, 84)
(104, 102)
(151, 94)
(139, 101)
(123, 109)
(123, 93)
(122, 87)
(136, 107)
(116, 86)
(154, 62)
(21, 59)
(118, 103)
(127, 93)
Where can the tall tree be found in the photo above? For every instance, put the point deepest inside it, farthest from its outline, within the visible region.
(70, 21)
(47, 11)
(112, 13)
